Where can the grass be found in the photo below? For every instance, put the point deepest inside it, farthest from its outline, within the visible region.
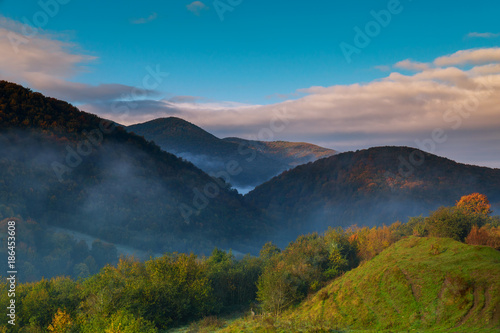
(416, 285)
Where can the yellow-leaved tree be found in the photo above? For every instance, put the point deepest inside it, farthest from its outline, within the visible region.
(61, 322)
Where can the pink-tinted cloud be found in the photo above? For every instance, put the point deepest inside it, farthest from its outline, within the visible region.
(474, 57)
(196, 7)
(412, 65)
(44, 63)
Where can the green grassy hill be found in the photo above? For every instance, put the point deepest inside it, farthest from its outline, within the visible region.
(418, 284)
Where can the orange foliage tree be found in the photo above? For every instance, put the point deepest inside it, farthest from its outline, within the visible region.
(475, 203)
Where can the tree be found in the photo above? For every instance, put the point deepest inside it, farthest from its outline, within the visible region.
(343, 253)
(61, 323)
(269, 250)
(123, 322)
(81, 270)
(275, 291)
(303, 267)
(475, 203)
(452, 222)
(36, 304)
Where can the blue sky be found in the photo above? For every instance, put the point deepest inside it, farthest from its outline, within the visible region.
(266, 56)
(262, 48)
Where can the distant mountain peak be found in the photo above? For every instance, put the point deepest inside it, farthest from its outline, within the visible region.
(257, 160)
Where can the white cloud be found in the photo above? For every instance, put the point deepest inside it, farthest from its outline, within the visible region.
(474, 57)
(144, 20)
(483, 35)
(196, 7)
(41, 61)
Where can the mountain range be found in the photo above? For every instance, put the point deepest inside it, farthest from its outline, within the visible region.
(66, 168)
(254, 162)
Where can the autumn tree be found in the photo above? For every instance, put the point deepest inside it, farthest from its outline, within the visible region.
(370, 242)
(486, 235)
(61, 323)
(475, 203)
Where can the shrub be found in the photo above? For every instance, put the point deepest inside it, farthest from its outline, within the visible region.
(452, 222)
(486, 235)
(371, 242)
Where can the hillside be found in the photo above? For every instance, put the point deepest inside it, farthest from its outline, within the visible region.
(366, 187)
(421, 284)
(292, 153)
(63, 167)
(257, 161)
(179, 136)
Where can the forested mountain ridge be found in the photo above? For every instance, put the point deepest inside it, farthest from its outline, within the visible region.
(367, 187)
(259, 161)
(292, 153)
(64, 167)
